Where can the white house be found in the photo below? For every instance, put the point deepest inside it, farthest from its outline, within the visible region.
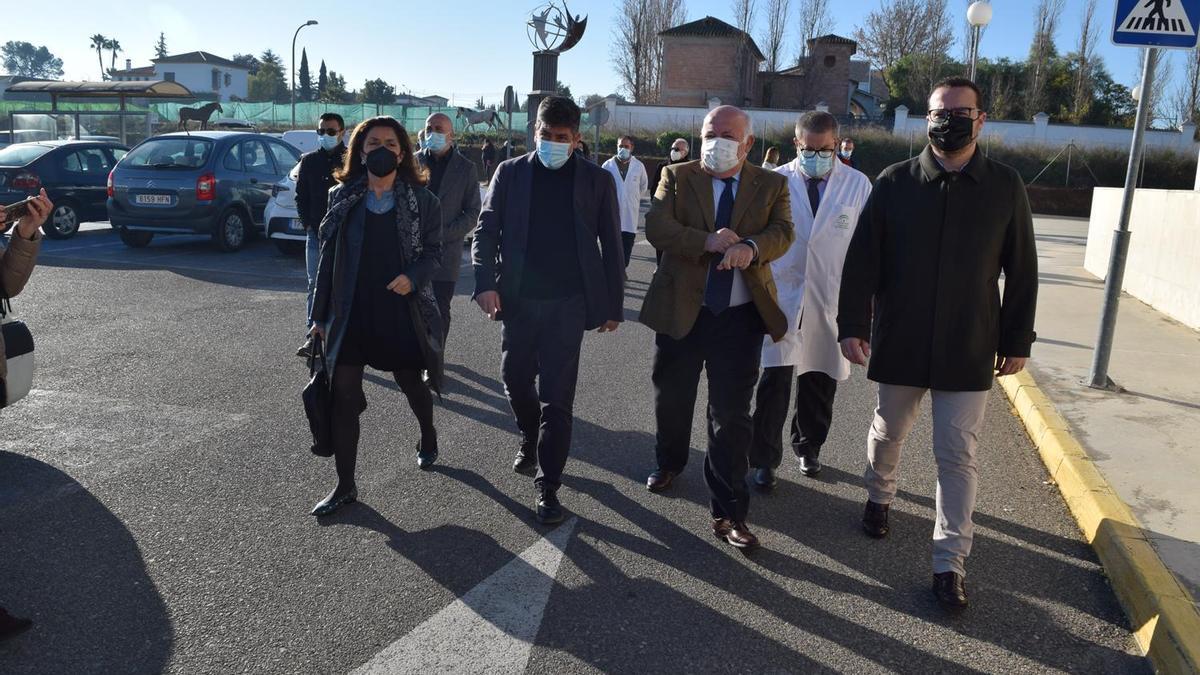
(201, 72)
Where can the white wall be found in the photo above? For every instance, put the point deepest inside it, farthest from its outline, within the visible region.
(197, 77)
(1041, 132)
(1163, 267)
(628, 117)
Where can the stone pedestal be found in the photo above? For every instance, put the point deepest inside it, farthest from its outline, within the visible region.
(545, 83)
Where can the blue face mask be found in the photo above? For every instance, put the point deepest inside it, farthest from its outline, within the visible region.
(328, 142)
(816, 166)
(435, 142)
(624, 154)
(553, 155)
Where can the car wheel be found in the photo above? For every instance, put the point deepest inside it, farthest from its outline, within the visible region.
(134, 239)
(290, 247)
(63, 222)
(233, 227)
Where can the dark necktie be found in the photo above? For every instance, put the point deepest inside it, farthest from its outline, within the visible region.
(720, 282)
(814, 194)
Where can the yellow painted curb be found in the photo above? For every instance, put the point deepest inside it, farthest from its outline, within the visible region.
(1165, 622)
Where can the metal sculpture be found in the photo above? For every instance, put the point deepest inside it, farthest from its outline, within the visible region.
(553, 30)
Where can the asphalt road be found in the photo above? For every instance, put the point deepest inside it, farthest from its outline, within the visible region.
(155, 490)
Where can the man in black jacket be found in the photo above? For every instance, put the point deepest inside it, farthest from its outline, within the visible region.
(312, 197)
(936, 233)
(549, 263)
(453, 178)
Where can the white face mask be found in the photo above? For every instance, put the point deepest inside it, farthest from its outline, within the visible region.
(720, 155)
(677, 155)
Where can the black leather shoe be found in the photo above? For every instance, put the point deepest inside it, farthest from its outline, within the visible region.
(660, 480)
(549, 509)
(950, 591)
(11, 626)
(809, 464)
(427, 452)
(764, 479)
(525, 462)
(305, 349)
(875, 520)
(334, 502)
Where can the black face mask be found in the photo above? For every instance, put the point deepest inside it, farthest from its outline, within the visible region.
(952, 135)
(381, 162)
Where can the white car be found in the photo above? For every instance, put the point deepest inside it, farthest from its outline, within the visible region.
(283, 222)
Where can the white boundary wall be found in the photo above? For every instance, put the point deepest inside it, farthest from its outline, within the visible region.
(628, 117)
(1041, 132)
(1163, 268)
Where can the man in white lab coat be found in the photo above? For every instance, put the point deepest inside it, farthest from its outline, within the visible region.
(632, 184)
(826, 197)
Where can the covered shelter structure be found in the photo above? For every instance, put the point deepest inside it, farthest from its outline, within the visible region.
(121, 91)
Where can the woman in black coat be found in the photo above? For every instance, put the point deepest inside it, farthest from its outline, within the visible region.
(374, 304)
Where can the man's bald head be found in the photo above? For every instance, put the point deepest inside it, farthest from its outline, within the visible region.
(730, 117)
(440, 123)
(732, 124)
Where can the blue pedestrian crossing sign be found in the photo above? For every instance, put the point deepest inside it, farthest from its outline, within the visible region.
(1156, 23)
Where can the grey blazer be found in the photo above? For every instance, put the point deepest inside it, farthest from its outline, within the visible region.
(459, 195)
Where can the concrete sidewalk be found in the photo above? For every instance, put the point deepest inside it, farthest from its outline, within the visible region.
(1143, 442)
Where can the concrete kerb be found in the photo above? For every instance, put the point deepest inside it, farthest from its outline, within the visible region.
(1165, 622)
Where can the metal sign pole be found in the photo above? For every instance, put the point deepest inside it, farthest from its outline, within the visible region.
(1098, 379)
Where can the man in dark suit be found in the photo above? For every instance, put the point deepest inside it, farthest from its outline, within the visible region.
(313, 181)
(455, 181)
(549, 263)
(719, 223)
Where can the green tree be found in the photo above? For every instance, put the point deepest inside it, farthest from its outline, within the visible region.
(249, 61)
(160, 47)
(99, 43)
(377, 91)
(306, 83)
(322, 81)
(591, 100)
(114, 46)
(335, 90)
(563, 89)
(22, 58)
(270, 83)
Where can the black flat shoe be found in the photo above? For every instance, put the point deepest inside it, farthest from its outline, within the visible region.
(950, 591)
(525, 462)
(809, 464)
(334, 502)
(426, 456)
(875, 520)
(11, 626)
(764, 479)
(549, 509)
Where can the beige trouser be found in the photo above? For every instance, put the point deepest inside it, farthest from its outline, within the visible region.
(957, 422)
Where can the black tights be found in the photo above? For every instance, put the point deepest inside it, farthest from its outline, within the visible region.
(349, 402)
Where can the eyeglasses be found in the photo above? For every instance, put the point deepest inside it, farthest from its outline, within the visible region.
(943, 114)
(328, 132)
(809, 154)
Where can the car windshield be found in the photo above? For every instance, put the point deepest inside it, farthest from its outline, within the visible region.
(22, 153)
(170, 153)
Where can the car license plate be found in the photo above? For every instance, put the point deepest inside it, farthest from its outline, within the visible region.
(153, 199)
(294, 225)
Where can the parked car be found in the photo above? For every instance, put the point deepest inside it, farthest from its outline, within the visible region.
(73, 173)
(8, 138)
(305, 140)
(283, 221)
(232, 124)
(206, 182)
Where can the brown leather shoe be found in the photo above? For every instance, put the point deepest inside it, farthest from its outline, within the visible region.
(660, 480)
(740, 536)
(949, 590)
(721, 527)
(875, 520)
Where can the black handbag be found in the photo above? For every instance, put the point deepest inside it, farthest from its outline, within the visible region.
(18, 356)
(318, 401)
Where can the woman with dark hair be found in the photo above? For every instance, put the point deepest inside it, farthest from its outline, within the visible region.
(374, 306)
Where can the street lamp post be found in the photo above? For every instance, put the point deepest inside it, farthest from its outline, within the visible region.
(310, 22)
(979, 14)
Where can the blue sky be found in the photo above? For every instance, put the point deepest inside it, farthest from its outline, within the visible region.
(458, 48)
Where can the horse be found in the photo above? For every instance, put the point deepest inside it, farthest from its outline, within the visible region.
(473, 117)
(200, 114)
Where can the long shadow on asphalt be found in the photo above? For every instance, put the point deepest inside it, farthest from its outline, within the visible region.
(78, 573)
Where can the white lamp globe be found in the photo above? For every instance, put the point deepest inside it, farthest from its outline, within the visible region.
(979, 13)
(1136, 93)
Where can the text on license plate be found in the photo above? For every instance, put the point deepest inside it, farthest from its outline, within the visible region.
(153, 199)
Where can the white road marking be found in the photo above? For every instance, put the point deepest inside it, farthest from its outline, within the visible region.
(491, 628)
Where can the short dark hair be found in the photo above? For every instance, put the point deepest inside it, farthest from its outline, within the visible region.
(847, 139)
(625, 137)
(816, 122)
(558, 111)
(334, 117)
(958, 81)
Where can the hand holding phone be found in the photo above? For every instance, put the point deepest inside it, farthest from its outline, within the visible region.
(15, 211)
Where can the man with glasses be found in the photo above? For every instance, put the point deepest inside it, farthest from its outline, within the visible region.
(827, 198)
(312, 198)
(920, 299)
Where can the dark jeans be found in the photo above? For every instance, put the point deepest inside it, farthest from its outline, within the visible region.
(349, 402)
(729, 348)
(541, 341)
(443, 291)
(628, 239)
(810, 423)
